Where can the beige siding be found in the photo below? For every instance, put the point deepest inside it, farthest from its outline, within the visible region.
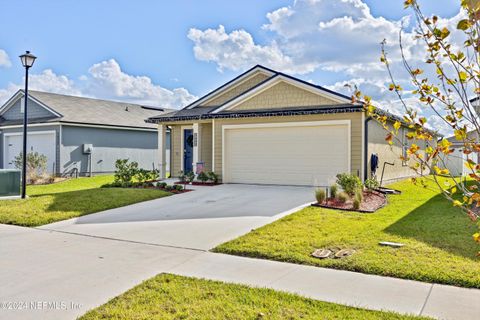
(388, 153)
(206, 145)
(283, 95)
(236, 90)
(176, 147)
(175, 151)
(356, 130)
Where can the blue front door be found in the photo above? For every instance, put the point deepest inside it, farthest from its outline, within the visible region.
(187, 150)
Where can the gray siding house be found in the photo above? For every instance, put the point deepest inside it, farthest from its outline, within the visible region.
(79, 134)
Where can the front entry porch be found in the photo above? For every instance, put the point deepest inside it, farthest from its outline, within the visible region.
(191, 148)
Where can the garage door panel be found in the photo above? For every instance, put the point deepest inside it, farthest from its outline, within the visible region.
(310, 155)
(43, 143)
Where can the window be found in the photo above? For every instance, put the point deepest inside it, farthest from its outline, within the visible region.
(22, 105)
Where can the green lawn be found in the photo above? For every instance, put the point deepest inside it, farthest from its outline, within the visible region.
(438, 237)
(173, 297)
(68, 199)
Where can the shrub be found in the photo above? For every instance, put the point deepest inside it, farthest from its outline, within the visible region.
(127, 184)
(212, 176)
(143, 175)
(189, 176)
(125, 170)
(371, 184)
(182, 177)
(203, 176)
(169, 188)
(356, 203)
(162, 185)
(359, 195)
(36, 165)
(320, 195)
(349, 182)
(343, 197)
(179, 187)
(154, 175)
(333, 190)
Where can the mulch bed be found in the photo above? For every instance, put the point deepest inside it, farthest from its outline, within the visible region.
(372, 201)
(198, 183)
(163, 189)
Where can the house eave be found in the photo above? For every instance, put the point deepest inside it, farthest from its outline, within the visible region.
(254, 113)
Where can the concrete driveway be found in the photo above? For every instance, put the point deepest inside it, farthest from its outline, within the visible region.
(201, 219)
(61, 274)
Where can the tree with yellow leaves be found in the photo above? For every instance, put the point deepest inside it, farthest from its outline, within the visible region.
(448, 96)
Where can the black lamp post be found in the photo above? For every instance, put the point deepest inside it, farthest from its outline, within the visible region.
(27, 61)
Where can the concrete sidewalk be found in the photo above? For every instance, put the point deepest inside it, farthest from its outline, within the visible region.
(342, 287)
(88, 271)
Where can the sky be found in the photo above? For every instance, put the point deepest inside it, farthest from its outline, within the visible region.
(168, 53)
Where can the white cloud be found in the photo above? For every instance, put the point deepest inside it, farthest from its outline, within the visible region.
(4, 59)
(7, 92)
(339, 36)
(105, 80)
(48, 81)
(434, 122)
(237, 51)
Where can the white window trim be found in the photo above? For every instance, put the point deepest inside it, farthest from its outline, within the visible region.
(348, 123)
(276, 80)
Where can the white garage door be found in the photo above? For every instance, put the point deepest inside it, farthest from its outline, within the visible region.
(302, 154)
(41, 142)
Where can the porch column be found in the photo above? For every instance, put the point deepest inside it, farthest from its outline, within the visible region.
(162, 149)
(197, 130)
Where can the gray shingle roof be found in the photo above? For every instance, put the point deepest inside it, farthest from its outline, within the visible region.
(195, 112)
(97, 111)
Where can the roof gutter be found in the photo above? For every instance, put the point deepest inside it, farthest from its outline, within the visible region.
(78, 124)
(252, 114)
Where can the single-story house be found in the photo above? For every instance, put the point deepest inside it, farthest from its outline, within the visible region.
(455, 162)
(78, 135)
(266, 127)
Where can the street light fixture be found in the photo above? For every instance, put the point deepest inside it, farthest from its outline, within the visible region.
(27, 61)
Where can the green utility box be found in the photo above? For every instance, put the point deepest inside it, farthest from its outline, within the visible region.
(9, 182)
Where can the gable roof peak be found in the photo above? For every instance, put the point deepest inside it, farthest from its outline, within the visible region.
(231, 83)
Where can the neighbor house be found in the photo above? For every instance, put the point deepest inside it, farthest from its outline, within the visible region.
(266, 127)
(78, 135)
(455, 161)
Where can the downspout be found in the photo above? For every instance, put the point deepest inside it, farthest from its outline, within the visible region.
(365, 148)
